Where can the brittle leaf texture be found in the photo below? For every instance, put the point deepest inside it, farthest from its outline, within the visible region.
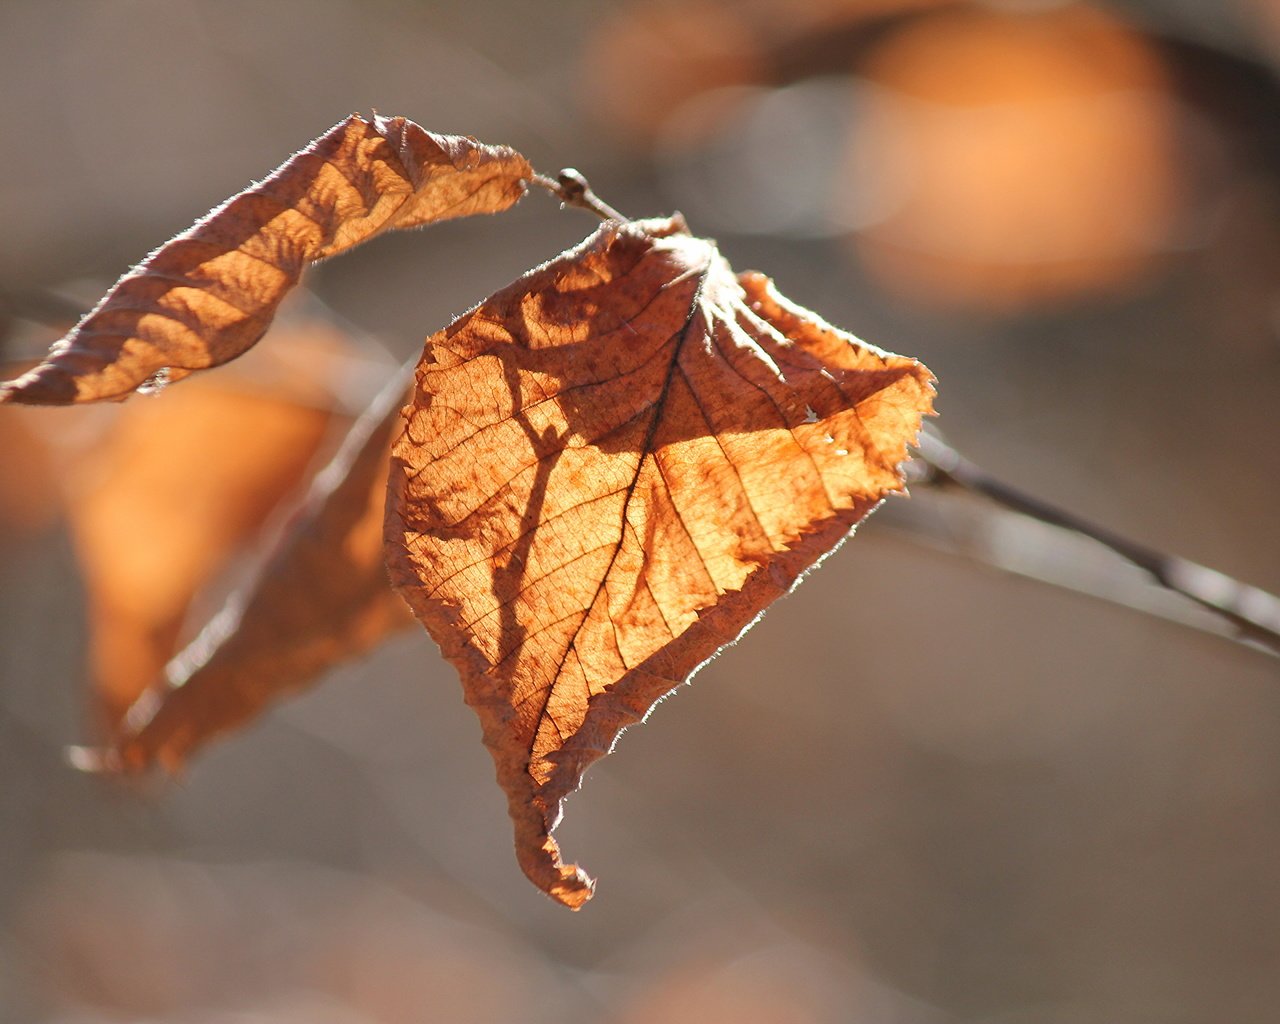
(209, 294)
(608, 470)
(322, 598)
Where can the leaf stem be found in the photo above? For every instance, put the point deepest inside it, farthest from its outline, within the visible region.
(1253, 614)
(571, 188)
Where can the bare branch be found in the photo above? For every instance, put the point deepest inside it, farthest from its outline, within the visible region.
(1250, 615)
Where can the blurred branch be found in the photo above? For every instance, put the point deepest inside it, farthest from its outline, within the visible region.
(41, 306)
(35, 306)
(1066, 554)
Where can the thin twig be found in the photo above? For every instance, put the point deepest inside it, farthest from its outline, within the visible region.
(1253, 614)
(571, 188)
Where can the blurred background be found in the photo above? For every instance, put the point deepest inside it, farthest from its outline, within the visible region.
(920, 790)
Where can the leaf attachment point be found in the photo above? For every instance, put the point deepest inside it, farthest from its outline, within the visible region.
(571, 188)
(607, 471)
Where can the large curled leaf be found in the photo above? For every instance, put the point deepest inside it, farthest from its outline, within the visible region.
(321, 599)
(608, 470)
(209, 294)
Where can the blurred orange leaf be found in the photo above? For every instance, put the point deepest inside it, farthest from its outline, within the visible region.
(152, 526)
(209, 294)
(1034, 156)
(28, 491)
(320, 599)
(608, 470)
(156, 524)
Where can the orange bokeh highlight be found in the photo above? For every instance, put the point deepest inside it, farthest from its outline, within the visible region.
(651, 58)
(1034, 157)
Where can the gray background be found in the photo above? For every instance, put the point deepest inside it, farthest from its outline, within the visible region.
(919, 790)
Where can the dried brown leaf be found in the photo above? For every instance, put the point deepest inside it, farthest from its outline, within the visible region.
(608, 470)
(209, 294)
(322, 598)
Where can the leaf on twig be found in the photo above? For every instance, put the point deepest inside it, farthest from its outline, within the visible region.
(608, 470)
(322, 598)
(209, 294)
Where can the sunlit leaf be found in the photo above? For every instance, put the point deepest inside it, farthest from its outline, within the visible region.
(608, 470)
(209, 294)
